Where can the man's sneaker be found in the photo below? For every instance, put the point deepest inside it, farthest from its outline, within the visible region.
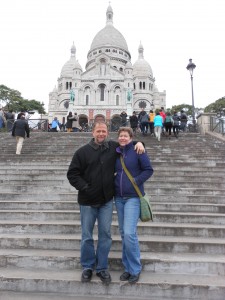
(86, 275)
(125, 276)
(104, 276)
(133, 278)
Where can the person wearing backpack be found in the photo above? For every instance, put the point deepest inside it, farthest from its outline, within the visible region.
(144, 120)
(176, 124)
(183, 120)
(168, 124)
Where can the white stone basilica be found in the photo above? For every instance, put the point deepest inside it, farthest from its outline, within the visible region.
(109, 85)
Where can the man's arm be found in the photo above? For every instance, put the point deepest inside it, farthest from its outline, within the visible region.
(139, 147)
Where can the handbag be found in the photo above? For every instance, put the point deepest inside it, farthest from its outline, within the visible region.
(57, 128)
(145, 209)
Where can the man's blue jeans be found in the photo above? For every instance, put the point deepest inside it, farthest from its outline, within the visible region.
(128, 211)
(89, 258)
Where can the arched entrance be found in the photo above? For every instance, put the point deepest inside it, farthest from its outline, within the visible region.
(115, 123)
(99, 118)
(83, 120)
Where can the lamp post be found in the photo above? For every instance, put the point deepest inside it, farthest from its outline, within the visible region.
(191, 66)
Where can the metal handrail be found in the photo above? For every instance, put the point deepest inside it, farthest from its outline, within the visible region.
(217, 125)
(34, 124)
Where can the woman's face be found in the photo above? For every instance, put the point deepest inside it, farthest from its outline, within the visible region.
(124, 138)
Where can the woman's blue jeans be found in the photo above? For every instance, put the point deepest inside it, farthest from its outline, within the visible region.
(128, 210)
(91, 259)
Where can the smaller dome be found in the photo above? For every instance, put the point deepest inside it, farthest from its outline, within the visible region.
(70, 65)
(141, 67)
(128, 65)
(67, 69)
(77, 65)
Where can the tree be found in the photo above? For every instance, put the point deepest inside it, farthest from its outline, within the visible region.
(217, 106)
(186, 107)
(12, 100)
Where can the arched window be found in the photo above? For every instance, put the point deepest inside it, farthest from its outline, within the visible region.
(143, 85)
(117, 100)
(67, 85)
(140, 85)
(87, 99)
(102, 92)
(134, 85)
(102, 66)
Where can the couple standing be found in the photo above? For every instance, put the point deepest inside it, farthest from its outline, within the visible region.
(92, 173)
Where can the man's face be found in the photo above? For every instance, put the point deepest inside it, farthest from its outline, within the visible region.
(100, 133)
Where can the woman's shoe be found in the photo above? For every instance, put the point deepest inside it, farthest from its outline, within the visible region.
(134, 278)
(125, 276)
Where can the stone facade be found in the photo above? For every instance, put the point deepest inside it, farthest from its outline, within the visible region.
(110, 83)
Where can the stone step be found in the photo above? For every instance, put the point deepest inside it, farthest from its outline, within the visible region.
(7, 295)
(176, 217)
(152, 243)
(64, 184)
(35, 167)
(65, 160)
(66, 188)
(159, 176)
(149, 228)
(159, 286)
(71, 205)
(72, 196)
(189, 263)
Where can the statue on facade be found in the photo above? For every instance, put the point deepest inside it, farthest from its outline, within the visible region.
(129, 95)
(72, 95)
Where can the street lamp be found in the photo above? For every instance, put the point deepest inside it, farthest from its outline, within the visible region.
(191, 66)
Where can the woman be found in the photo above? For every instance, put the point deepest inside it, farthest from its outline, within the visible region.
(158, 125)
(69, 122)
(128, 203)
(168, 124)
(55, 125)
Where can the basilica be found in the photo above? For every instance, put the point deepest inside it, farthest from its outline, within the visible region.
(110, 83)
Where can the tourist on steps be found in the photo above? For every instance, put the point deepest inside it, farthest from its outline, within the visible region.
(91, 172)
(127, 201)
(158, 125)
(19, 130)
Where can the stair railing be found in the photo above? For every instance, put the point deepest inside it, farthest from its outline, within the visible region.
(217, 124)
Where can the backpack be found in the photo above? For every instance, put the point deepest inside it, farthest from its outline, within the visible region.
(183, 117)
(144, 118)
(169, 120)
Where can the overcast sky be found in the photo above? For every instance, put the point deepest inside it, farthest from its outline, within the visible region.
(36, 37)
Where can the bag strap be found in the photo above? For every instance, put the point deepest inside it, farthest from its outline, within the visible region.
(130, 177)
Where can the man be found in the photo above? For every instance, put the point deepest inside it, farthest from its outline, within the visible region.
(91, 172)
(183, 120)
(20, 128)
(134, 122)
(123, 116)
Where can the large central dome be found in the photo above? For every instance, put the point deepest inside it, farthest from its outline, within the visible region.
(109, 35)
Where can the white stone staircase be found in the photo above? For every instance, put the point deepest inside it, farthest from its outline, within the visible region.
(183, 250)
